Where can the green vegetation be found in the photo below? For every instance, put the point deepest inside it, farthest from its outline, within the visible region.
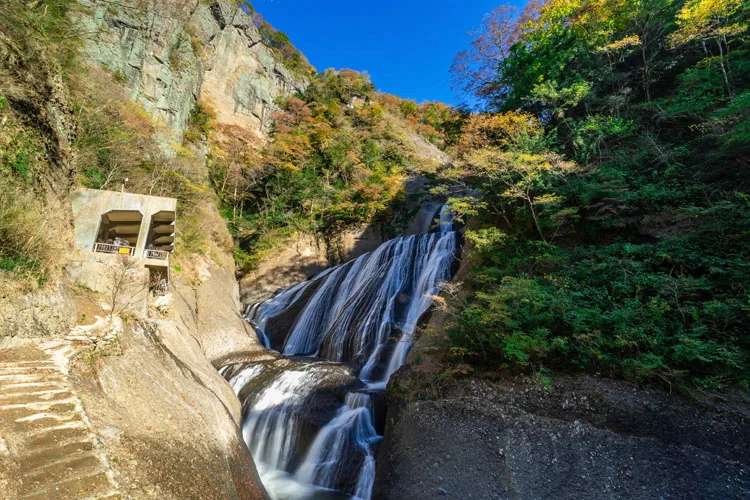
(114, 144)
(337, 160)
(22, 150)
(279, 41)
(614, 232)
(28, 32)
(24, 248)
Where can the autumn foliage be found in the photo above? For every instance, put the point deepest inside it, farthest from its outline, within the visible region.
(337, 160)
(613, 228)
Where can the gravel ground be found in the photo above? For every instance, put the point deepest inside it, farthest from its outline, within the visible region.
(582, 438)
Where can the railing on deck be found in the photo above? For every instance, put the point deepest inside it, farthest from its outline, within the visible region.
(156, 254)
(113, 249)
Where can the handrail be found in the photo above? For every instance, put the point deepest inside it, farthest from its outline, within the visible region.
(156, 254)
(113, 249)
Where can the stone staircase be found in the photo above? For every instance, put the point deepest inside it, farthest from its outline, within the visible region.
(45, 438)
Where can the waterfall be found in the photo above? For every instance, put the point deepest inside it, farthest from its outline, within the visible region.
(271, 424)
(262, 311)
(340, 443)
(242, 378)
(447, 219)
(358, 307)
(364, 312)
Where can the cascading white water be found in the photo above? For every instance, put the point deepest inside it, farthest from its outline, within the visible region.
(349, 435)
(242, 378)
(359, 306)
(315, 319)
(447, 219)
(366, 479)
(269, 427)
(272, 424)
(365, 311)
(270, 308)
(436, 270)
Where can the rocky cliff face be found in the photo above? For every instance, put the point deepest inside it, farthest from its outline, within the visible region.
(159, 422)
(580, 438)
(170, 54)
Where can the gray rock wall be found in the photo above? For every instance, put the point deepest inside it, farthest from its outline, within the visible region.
(581, 438)
(44, 313)
(171, 53)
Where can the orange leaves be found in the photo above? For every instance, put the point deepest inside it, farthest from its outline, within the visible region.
(299, 110)
(352, 158)
(321, 134)
(288, 148)
(296, 115)
(427, 119)
(496, 130)
(368, 114)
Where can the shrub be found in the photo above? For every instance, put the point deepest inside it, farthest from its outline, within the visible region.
(32, 235)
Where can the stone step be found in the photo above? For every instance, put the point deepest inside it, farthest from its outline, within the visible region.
(44, 421)
(34, 397)
(56, 437)
(49, 443)
(40, 363)
(38, 405)
(30, 387)
(31, 377)
(13, 368)
(76, 487)
(53, 456)
(74, 423)
(24, 412)
(83, 465)
(9, 374)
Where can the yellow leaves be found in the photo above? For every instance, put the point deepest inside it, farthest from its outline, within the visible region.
(623, 43)
(556, 11)
(290, 166)
(548, 199)
(518, 171)
(704, 19)
(322, 134)
(732, 30)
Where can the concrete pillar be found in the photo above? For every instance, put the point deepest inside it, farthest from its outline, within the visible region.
(143, 234)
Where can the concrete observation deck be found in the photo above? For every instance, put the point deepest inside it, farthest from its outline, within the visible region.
(133, 225)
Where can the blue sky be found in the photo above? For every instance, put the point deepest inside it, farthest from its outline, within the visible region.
(406, 46)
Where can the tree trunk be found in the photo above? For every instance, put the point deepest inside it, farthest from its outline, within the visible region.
(723, 68)
(646, 72)
(536, 220)
(234, 210)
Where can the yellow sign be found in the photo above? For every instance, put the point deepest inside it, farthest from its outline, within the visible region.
(124, 250)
